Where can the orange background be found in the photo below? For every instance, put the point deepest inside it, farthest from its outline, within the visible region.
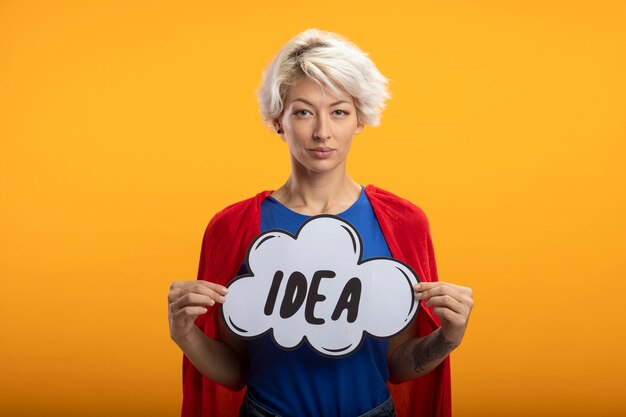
(125, 125)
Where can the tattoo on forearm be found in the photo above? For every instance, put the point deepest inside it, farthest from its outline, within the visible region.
(430, 349)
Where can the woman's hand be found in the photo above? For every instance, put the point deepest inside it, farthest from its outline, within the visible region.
(452, 304)
(187, 300)
(222, 359)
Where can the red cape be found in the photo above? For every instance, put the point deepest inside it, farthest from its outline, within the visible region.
(224, 247)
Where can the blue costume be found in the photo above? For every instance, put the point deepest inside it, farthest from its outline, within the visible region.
(302, 382)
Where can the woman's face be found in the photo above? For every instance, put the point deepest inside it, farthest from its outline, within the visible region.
(318, 126)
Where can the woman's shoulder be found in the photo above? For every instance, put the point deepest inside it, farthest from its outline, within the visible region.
(238, 212)
(392, 203)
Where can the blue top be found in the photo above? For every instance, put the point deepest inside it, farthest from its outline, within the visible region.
(301, 382)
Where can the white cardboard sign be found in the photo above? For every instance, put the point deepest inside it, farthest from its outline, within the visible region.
(314, 286)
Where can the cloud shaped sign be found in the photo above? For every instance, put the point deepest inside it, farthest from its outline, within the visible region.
(314, 286)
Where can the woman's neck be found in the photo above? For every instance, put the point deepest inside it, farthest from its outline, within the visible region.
(318, 193)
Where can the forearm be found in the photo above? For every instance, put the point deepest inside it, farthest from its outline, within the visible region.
(418, 356)
(214, 359)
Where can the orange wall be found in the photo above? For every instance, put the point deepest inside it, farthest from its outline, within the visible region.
(125, 125)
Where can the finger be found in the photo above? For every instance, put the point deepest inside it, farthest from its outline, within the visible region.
(428, 285)
(468, 303)
(222, 290)
(422, 286)
(456, 313)
(190, 311)
(210, 289)
(439, 290)
(467, 291)
(452, 317)
(448, 302)
(193, 299)
(177, 285)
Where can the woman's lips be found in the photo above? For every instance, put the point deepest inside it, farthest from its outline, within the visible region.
(322, 153)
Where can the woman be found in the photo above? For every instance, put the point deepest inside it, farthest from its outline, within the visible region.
(318, 93)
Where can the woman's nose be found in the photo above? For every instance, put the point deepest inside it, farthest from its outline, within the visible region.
(322, 131)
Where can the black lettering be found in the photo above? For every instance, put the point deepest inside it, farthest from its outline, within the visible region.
(295, 293)
(349, 300)
(271, 297)
(315, 297)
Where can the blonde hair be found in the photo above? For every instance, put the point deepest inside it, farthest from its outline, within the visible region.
(331, 61)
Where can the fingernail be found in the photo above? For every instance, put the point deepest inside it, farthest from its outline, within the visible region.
(222, 299)
(417, 286)
(205, 310)
(225, 290)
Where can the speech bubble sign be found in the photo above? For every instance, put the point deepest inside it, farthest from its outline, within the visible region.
(314, 287)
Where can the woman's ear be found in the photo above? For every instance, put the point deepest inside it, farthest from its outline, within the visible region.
(359, 128)
(277, 126)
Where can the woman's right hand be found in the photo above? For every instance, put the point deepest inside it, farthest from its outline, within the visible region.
(189, 299)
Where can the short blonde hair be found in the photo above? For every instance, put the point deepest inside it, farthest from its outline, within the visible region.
(331, 61)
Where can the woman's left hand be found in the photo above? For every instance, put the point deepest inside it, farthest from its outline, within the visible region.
(452, 304)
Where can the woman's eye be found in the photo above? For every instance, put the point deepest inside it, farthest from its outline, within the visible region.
(340, 112)
(302, 112)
